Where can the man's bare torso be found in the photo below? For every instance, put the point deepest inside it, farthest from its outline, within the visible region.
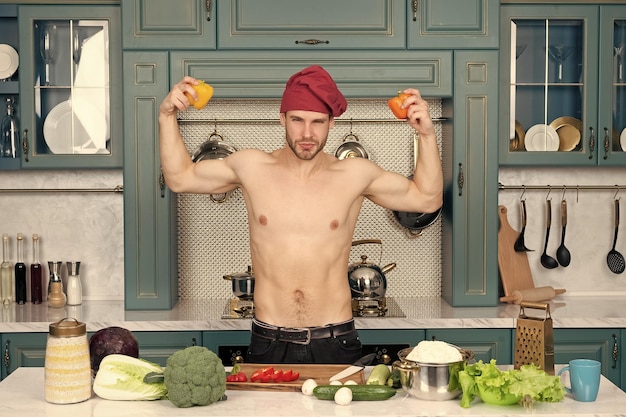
(300, 238)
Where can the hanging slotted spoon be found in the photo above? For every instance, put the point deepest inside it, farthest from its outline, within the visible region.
(614, 259)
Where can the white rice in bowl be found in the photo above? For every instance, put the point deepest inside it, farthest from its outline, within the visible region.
(434, 351)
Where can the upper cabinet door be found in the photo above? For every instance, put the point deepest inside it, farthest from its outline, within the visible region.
(612, 87)
(169, 24)
(311, 25)
(452, 24)
(70, 85)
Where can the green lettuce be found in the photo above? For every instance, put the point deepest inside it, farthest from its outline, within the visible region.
(494, 386)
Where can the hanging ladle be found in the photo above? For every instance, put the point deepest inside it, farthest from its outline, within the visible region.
(614, 259)
(548, 261)
(562, 253)
(519, 244)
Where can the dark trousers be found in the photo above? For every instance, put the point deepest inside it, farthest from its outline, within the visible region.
(270, 347)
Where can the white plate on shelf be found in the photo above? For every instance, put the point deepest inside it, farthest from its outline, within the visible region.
(9, 61)
(541, 137)
(65, 133)
(622, 140)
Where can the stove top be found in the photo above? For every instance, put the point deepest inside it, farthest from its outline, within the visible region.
(384, 307)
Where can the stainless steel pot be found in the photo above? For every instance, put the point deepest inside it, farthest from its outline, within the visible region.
(367, 280)
(351, 148)
(214, 148)
(242, 284)
(429, 381)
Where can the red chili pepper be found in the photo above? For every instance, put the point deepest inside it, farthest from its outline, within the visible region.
(395, 104)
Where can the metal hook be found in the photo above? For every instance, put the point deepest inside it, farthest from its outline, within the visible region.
(351, 126)
(563, 195)
(549, 191)
(523, 192)
(616, 192)
(577, 190)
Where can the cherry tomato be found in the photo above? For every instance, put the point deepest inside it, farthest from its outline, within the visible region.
(395, 104)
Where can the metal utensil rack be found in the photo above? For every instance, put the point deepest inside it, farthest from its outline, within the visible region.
(118, 189)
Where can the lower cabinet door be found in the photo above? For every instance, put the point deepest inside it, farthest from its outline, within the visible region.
(22, 349)
(156, 347)
(599, 344)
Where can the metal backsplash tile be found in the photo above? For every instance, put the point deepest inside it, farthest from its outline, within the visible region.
(213, 237)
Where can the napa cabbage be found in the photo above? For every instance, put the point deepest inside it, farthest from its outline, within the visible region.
(121, 377)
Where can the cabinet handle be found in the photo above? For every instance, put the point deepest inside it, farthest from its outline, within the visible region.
(415, 10)
(207, 4)
(25, 144)
(162, 183)
(460, 179)
(7, 356)
(312, 42)
(592, 142)
(606, 143)
(193, 341)
(615, 351)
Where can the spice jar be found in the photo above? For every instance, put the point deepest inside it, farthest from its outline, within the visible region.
(67, 366)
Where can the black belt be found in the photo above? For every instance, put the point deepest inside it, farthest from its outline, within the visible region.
(301, 335)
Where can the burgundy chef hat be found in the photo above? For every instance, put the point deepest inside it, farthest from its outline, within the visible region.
(313, 89)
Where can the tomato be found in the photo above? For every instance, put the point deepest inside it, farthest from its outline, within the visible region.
(204, 92)
(395, 104)
(262, 374)
(270, 374)
(238, 377)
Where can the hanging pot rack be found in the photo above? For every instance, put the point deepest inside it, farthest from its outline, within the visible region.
(118, 189)
(563, 188)
(275, 121)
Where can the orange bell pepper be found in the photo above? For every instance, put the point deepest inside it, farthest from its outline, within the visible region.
(395, 104)
(204, 92)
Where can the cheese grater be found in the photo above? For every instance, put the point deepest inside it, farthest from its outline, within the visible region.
(534, 338)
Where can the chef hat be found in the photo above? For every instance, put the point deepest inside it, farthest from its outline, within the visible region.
(313, 89)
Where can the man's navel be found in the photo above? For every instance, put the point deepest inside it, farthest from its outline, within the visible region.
(334, 224)
(263, 220)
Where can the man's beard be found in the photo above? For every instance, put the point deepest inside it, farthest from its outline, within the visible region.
(305, 155)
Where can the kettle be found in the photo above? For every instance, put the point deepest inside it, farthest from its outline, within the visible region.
(367, 280)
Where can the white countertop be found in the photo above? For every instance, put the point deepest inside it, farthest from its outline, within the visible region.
(22, 394)
(421, 313)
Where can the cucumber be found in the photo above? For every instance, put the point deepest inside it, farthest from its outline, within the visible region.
(359, 392)
(379, 375)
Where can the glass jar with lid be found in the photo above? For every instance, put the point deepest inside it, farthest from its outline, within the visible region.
(67, 365)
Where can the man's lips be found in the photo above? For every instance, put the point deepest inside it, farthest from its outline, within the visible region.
(306, 145)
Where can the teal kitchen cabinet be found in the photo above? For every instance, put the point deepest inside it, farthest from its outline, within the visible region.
(486, 344)
(562, 85)
(452, 24)
(70, 86)
(22, 349)
(29, 349)
(470, 274)
(166, 24)
(357, 73)
(9, 75)
(600, 344)
(158, 346)
(150, 257)
(306, 25)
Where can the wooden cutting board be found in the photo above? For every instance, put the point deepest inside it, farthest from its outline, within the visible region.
(320, 373)
(514, 267)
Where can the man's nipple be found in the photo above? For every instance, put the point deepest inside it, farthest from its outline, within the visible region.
(334, 224)
(263, 220)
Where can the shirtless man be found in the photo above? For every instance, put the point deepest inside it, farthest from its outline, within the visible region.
(303, 206)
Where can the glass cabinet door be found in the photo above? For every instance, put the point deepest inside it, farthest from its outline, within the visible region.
(70, 88)
(551, 86)
(615, 133)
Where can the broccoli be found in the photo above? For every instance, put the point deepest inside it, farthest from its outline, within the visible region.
(194, 376)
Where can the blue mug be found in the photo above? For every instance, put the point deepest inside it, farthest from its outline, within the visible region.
(584, 376)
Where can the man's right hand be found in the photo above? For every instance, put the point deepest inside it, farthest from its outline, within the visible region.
(176, 100)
